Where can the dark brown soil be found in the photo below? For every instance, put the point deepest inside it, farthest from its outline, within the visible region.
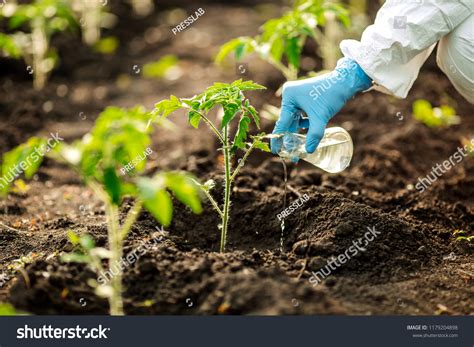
(415, 265)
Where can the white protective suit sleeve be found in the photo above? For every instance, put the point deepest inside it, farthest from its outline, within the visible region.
(393, 49)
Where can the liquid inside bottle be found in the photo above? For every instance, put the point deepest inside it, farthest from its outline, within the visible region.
(334, 152)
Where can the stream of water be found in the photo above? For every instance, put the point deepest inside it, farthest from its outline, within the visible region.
(282, 225)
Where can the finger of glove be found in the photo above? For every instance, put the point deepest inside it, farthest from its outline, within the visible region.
(315, 133)
(288, 121)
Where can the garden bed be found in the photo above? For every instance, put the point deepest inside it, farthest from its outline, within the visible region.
(414, 266)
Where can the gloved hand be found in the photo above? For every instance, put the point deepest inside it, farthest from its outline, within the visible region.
(320, 98)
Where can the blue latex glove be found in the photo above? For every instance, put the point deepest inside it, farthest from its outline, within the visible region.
(320, 98)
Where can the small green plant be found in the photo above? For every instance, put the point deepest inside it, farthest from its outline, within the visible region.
(462, 235)
(40, 19)
(160, 68)
(236, 107)
(434, 117)
(90, 16)
(23, 160)
(118, 138)
(282, 39)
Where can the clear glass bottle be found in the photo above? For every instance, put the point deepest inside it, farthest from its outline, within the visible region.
(334, 152)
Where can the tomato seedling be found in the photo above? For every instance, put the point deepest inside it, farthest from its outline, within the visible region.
(282, 39)
(462, 235)
(120, 137)
(236, 107)
(23, 160)
(90, 14)
(41, 18)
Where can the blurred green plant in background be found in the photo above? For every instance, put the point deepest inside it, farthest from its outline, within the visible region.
(434, 117)
(31, 27)
(35, 23)
(160, 68)
(117, 139)
(282, 39)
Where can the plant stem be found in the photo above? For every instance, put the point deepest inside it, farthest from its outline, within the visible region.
(40, 48)
(212, 126)
(227, 190)
(115, 244)
(213, 202)
(242, 161)
(90, 12)
(289, 72)
(131, 218)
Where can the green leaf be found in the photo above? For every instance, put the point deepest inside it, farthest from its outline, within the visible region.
(73, 237)
(240, 51)
(422, 108)
(185, 190)
(194, 118)
(17, 20)
(247, 85)
(87, 242)
(447, 110)
(75, 258)
(230, 111)
(238, 45)
(241, 135)
(293, 52)
(254, 114)
(262, 146)
(277, 49)
(112, 185)
(8, 45)
(156, 199)
(23, 159)
(431, 116)
(166, 107)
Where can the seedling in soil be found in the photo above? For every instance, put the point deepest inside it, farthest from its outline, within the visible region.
(90, 13)
(462, 235)
(161, 68)
(282, 39)
(118, 138)
(42, 18)
(23, 160)
(236, 107)
(434, 117)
